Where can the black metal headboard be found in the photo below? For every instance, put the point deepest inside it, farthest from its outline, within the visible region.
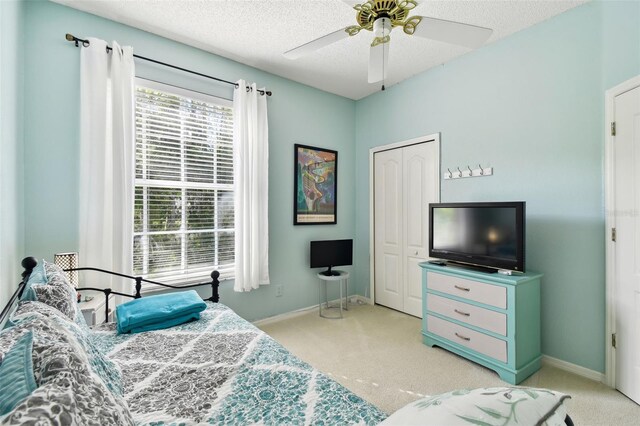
(28, 263)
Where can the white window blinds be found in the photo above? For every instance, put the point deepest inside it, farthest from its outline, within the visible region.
(183, 209)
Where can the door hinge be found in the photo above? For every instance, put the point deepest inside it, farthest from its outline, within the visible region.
(613, 128)
(613, 340)
(613, 234)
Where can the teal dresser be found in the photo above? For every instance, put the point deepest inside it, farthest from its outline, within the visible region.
(491, 319)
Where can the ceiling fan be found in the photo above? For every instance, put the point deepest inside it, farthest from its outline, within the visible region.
(382, 16)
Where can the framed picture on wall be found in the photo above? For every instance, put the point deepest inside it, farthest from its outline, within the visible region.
(315, 186)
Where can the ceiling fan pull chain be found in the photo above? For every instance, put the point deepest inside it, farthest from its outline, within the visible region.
(387, 37)
(383, 70)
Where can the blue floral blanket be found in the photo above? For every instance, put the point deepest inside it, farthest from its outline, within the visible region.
(223, 370)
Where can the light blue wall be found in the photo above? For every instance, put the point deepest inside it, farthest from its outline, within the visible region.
(532, 107)
(620, 41)
(11, 159)
(297, 113)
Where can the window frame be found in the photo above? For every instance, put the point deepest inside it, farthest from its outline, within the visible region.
(197, 274)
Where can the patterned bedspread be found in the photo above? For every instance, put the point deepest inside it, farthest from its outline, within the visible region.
(223, 370)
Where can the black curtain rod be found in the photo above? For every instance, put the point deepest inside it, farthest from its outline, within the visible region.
(86, 43)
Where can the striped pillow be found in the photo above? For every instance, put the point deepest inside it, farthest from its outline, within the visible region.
(16, 374)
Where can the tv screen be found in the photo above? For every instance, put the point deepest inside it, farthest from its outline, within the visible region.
(330, 253)
(484, 234)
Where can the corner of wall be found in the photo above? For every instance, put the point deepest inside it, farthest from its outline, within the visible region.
(11, 145)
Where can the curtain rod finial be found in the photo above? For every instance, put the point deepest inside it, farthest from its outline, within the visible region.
(71, 37)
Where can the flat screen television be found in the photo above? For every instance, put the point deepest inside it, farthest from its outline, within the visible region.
(330, 253)
(489, 235)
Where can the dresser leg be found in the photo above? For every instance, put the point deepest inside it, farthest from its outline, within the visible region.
(507, 376)
(429, 341)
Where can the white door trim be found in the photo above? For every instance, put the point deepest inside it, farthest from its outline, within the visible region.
(609, 207)
(435, 138)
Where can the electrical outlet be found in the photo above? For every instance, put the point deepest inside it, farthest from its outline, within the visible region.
(278, 290)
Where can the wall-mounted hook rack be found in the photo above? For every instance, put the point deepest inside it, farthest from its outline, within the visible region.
(467, 171)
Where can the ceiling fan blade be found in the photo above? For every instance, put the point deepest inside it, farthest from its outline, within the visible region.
(452, 32)
(316, 44)
(378, 62)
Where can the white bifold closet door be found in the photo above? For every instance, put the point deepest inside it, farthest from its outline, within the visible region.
(405, 182)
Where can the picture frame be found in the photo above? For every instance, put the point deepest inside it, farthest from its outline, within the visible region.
(315, 186)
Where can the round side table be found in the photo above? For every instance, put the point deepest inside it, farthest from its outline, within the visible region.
(343, 280)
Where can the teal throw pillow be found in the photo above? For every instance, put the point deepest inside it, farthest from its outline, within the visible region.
(16, 374)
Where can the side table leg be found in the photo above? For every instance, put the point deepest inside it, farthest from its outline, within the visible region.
(326, 297)
(340, 285)
(346, 294)
(320, 298)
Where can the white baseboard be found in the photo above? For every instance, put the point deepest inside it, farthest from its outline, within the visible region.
(361, 300)
(573, 368)
(286, 315)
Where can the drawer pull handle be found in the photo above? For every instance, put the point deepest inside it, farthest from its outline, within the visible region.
(466, 314)
(462, 288)
(463, 337)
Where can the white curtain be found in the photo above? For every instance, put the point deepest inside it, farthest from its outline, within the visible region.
(107, 159)
(251, 187)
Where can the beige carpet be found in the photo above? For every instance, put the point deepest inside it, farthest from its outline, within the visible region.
(378, 354)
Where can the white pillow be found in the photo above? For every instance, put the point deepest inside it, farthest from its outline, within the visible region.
(485, 407)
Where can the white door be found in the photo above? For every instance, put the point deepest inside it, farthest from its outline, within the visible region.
(405, 182)
(388, 229)
(420, 187)
(627, 245)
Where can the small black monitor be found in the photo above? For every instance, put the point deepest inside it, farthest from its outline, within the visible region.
(330, 253)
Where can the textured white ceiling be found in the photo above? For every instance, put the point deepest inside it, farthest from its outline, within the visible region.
(257, 32)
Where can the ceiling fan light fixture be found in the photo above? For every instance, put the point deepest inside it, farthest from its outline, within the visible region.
(382, 27)
(379, 51)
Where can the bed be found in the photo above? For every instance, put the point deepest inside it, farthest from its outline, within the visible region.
(219, 369)
(223, 370)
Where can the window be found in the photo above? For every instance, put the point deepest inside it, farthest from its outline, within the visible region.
(183, 209)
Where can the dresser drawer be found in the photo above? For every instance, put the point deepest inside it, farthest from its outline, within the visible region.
(481, 343)
(480, 292)
(474, 315)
